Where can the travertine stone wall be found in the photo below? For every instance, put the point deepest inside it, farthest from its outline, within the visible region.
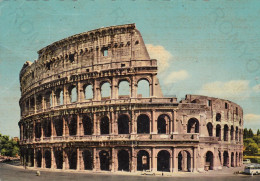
(62, 128)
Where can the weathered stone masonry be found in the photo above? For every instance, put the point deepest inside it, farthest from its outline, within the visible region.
(69, 121)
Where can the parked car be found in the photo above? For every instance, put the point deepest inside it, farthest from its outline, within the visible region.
(246, 161)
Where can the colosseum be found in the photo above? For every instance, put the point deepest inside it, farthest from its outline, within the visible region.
(82, 109)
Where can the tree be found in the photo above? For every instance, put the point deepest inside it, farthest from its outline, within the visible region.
(252, 148)
(250, 133)
(245, 133)
(8, 147)
(257, 139)
(248, 141)
(258, 132)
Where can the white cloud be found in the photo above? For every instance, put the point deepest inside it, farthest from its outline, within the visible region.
(161, 54)
(176, 76)
(236, 89)
(252, 118)
(256, 88)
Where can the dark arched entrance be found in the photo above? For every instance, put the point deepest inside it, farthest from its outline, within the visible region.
(47, 156)
(104, 125)
(184, 161)
(226, 132)
(232, 133)
(210, 128)
(38, 131)
(225, 158)
(58, 125)
(193, 126)
(88, 160)
(162, 124)
(73, 126)
(209, 160)
(143, 124)
(72, 156)
(87, 125)
(58, 159)
(163, 161)
(143, 161)
(123, 124)
(39, 158)
(218, 132)
(232, 159)
(123, 160)
(104, 160)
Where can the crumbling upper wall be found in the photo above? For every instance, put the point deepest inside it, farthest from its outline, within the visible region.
(228, 110)
(110, 48)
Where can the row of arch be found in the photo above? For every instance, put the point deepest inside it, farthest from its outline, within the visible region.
(218, 118)
(57, 98)
(234, 133)
(124, 159)
(44, 128)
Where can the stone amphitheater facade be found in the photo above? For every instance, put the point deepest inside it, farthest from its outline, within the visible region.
(67, 122)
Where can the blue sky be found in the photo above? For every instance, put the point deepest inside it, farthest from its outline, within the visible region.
(203, 47)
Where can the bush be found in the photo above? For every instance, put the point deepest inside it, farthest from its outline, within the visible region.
(252, 148)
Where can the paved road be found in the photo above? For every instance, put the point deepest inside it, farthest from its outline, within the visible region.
(13, 173)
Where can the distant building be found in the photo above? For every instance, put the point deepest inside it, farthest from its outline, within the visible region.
(67, 122)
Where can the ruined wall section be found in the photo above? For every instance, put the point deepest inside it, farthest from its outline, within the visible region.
(225, 117)
(102, 49)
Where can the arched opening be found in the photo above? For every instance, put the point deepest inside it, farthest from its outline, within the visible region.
(31, 159)
(47, 156)
(210, 129)
(48, 99)
(32, 103)
(88, 160)
(104, 125)
(37, 130)
(123, 124)
(88, 91)
(219, 156)
(232, 159)
(58, 125)
(226, 132)
(47, 128)
(39, 103)
(87, 125)
(59, 97)
(143, 89)
(184, 161)
(162, 122)
(193, 126)
(104, 160)
(209, 161)
(124, 90)
(232, 133)
(143, 124)
(226, 158)
(73, 126)
(236, 134)
(218, 132)
(218, 117)
(72, 156)
(123, 160)
(163, 161)
(58, 159)
(236, 164)
(105, 90)
(73, 94)
(39, 159)
(143, 161)
(27, 106)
